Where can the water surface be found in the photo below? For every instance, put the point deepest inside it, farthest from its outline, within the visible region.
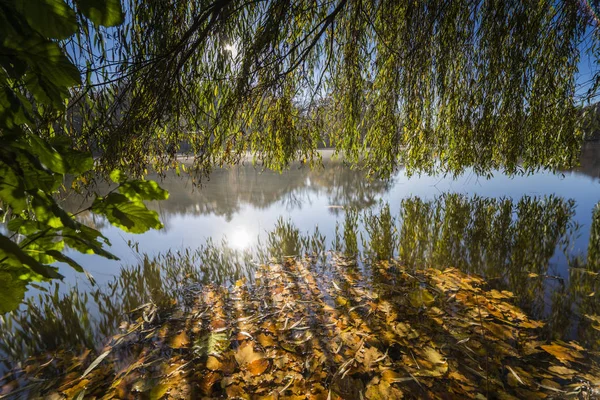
(537, 236)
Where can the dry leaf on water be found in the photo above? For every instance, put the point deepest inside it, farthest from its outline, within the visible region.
(432, 363)
(562, 353)
(380, 389)
(254, 361)
(265, 340)
(213, 363)
(370, 356)
(257, 367)
(421, 297)
(179, 341)
(562, 372)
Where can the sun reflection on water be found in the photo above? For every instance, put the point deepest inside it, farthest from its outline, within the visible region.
(240, 238)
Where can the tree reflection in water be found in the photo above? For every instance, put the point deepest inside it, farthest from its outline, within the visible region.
(510, 243)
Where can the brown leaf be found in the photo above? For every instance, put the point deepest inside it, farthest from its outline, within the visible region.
(207, 381)
(265, 340)
(213, 363)
(179, 341)
(370, 355)
(562, 372)
(562, 353)
(382, 390)
(246, 354)
(236, 391)
(259, 366)
(499, 331)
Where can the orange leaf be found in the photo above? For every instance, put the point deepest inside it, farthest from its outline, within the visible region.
(257, 367)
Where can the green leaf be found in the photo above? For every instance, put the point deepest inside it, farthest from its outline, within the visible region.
(102, 12)
(44, 91)
(128, 215)
(40, 246)
(47, 155)
(12, 291)
(58, 155)
(63, 258)
(51, 18)
(49, 212)
(12, 190)
(117, 176)
(12, 254)
(83, 244)
(77, 162)
(14, 109)
(49, 66)
(143, 190)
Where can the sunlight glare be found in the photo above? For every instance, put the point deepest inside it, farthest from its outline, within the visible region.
(240, 239)
(232, 48)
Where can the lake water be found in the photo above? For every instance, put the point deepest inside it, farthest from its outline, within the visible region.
(243, 202)
(533, 235)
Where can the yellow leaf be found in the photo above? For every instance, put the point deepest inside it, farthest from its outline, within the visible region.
(180, 340)
(432, 363)
(499, 331)
(246, 354)
(265, 340)
(562, 353)
(563, 372)
(370, 355)
(259, 366)
(342, 301)
(158, 392)
(213, 363)
(420, 297)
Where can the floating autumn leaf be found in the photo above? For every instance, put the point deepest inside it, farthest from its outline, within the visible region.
(431, 362)
(143, 385)
(390, 376)
(257, 367)
(180, 340)
(370, 356)
(211, 343)
(235, 391)
(265, 340)
(217, 324)
(562, 353)
(245, 354)
(213, 363)
(561, 371)
(500, 331)
(341, 301)
(531, 324)
(381, 389)
(207, 381)
(420, 297)
(158, 391)
(77, 389)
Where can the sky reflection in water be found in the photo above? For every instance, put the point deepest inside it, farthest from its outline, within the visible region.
(242, 203)
(513, 230)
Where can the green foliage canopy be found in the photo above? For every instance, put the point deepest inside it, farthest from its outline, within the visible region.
(36, 79)
(435, 85)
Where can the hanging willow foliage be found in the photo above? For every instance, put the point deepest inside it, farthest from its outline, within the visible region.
(435, 85)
